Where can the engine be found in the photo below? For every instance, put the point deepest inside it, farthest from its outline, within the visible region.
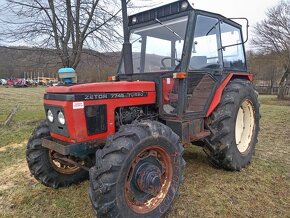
(127, 115)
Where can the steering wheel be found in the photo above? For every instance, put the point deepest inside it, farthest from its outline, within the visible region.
(168, 58)
(211, 66)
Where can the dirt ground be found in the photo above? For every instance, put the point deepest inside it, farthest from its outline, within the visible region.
(261, 190)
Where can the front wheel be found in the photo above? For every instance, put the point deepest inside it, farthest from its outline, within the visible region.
(47, 169)
(234, 126)
(138, 173)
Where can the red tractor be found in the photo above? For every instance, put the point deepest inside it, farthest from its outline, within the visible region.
(182, 78)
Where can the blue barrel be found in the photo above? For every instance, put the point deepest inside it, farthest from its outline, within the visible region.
(68, 75)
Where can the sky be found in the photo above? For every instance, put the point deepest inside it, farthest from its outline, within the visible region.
(254, 10)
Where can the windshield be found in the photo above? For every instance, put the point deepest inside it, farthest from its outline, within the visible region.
(158, 47)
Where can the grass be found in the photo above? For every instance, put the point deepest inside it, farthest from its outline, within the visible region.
(261, 190)
(29, 114)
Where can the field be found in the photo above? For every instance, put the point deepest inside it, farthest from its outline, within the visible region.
(261, 190)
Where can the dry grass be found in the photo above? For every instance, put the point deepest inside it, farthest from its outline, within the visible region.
(261, 190)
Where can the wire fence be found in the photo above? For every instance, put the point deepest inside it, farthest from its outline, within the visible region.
(268, 90)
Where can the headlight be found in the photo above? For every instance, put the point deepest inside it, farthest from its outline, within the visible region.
(50, 116)
(184, 5)
(134, 20)
(61, 118)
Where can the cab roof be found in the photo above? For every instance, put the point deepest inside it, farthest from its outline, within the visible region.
(174, 9)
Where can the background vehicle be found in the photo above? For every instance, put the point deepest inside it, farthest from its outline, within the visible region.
(3, 81)
(21, 83)
(183, 78)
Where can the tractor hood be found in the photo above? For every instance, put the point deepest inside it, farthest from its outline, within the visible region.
(107, 87)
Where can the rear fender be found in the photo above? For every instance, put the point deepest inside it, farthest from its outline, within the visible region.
(218, 94)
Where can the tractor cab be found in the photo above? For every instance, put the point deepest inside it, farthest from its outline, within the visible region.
(187, 53)
(176, 37)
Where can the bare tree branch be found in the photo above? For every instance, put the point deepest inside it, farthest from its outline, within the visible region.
(272, 35)
(63, 25)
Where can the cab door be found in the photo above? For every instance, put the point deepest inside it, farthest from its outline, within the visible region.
(205, 65)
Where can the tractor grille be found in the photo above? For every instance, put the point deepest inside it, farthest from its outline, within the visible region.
(55, 126)
(96, 118)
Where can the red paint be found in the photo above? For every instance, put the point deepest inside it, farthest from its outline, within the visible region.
(167, 84)
(218, 94)
(122, 86)
(76, 122)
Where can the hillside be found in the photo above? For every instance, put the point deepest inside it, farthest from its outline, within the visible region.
(94, 66)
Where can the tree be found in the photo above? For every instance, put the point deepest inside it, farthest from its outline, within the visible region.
(67, 26)
(272, 36)
(266, 68)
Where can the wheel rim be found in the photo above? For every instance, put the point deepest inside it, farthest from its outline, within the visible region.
(61, 166)
(245, 123)
(148, 179)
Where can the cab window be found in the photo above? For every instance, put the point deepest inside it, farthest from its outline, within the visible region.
(233, 50)
(205, 52)
(158, 47)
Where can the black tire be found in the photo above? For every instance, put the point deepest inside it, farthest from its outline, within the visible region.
(221, 146)
(113, 166)
(40, 163)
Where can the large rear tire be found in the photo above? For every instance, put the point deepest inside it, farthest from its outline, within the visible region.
(234, 127)
(138, 172)
(45, 168)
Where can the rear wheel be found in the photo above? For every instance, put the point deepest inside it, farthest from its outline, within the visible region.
(234, 126)
(245, 123)
(138, 172)
(45, 166)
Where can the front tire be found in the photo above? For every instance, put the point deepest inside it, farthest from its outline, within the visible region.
(45, 168)
(234, 127)
(138, 173)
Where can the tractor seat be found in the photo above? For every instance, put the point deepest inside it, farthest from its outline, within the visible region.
(198, 62)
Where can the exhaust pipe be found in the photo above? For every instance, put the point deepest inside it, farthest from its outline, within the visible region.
(127, 46)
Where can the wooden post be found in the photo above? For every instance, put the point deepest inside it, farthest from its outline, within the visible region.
(11, 115)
